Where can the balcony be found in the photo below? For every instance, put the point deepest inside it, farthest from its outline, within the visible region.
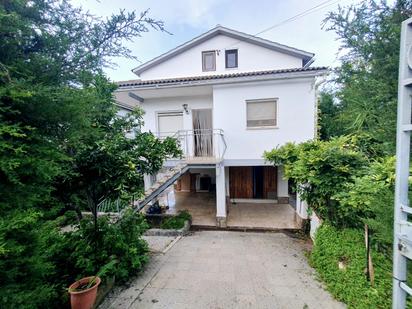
(201, 146)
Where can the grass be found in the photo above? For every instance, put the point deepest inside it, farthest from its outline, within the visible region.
(176, 222)
(350, 285)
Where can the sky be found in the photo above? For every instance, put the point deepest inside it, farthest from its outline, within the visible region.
(186, 19)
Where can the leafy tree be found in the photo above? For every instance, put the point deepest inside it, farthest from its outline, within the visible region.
(56, 116)
(367, 79)
(50, 54)
(110, 164)
(328, 112)
(373, 192)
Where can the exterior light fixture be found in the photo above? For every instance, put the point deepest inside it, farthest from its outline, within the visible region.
(185, 109)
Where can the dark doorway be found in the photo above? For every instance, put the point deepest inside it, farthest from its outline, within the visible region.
(258, 182)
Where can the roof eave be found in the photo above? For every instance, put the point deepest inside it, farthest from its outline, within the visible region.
(228, 80)
(123, 106)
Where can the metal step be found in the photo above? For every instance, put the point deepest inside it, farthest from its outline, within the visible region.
(406, 288)
(405, 246)
(407, 82)
(406, 209)
(407, 127)
(405, 239)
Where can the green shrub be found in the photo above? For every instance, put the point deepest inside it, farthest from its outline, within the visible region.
(176, 222)
(24, 268)
(69, 218)
(87, 250)
(350, 285)
(373, 192)
(323, 168)
(38, 262)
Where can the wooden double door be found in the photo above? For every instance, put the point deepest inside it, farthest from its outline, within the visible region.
(253, 182)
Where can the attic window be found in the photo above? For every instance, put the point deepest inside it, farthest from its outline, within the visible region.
(231, 58)
(208, 61)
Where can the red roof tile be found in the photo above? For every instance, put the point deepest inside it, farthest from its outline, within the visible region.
(139, 82)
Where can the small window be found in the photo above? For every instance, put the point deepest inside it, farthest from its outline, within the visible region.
(261, 113)
(231, 58)
(168, 123)
(208, 61)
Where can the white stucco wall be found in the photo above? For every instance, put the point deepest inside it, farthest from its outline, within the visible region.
(282, 183)
(295, 116)
(153, 106)
(315, 223)
(301, 207)
(250, 58)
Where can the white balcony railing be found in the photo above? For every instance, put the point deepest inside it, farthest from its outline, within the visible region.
(200, 146)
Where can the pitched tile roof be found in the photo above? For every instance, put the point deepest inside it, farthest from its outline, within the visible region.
(138, 82)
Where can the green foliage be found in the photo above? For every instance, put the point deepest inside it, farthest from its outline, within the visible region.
(367, 79)
(112, 164)
(328, 112)
(120, 242)
(176, 222)
(62, 146)
(373, 193)
(362, 105)
(38, 262)
(322, 168)
(116, 250)
(350, 285)
(24, 267)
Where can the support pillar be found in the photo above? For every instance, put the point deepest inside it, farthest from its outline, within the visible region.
(147, 179)
(301, 211)
(283, 190)
(301, 207)
(221, 212)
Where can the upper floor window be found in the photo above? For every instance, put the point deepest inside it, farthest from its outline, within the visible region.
(261, 113)
(231, 58)
(208, 61)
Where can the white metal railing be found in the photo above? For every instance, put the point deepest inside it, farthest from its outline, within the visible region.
(199, 145)
(115, 206)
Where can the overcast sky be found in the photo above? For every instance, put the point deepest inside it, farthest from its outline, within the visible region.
(186, 19)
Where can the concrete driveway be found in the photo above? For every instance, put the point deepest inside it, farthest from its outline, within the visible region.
(219, 269)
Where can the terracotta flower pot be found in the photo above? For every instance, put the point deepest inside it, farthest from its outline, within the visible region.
(83, 299)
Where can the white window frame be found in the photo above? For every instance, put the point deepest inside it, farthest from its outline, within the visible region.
(264, 127)
(213, 52)
(237, 59)
(171, 112)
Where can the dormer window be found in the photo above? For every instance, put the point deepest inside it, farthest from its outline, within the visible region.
(231, 58)
(208, 61)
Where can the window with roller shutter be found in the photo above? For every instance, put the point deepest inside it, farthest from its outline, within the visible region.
(261, 113)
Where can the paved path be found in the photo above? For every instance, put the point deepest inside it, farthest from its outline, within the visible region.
(219, 269)
(157, 244)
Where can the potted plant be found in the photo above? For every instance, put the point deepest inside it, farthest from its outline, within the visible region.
(83, 292)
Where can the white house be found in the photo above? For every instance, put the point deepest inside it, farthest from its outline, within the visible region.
(228, 96)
